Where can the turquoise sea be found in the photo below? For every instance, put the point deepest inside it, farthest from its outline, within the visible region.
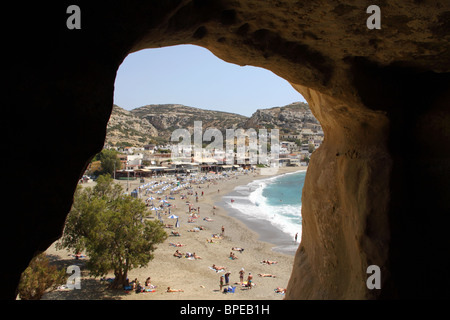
(275, 201)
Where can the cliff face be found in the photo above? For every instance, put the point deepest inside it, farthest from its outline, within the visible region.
(376, 192)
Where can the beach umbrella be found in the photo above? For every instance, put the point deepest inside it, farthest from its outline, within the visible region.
(172, 216)
(154, 208)
(151, 198)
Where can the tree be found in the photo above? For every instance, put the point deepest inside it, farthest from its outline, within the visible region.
(109, 161)
(38, 277)
(109, 226)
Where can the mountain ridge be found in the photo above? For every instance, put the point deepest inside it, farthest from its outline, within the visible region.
(154, 123)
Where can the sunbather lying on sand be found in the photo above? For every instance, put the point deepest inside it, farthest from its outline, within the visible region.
(280, 290)
(176, 244)
(238, 249)
(175, 233)
(217, 268)
(269, 262)
(266, 275)
(207, 219)
(178, 254)
(174, 290)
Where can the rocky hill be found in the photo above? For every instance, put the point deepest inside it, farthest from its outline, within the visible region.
(155, 123)
(168, 117)
(128, 129)
(291, 118)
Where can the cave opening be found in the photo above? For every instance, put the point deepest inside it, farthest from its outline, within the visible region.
(142, 81)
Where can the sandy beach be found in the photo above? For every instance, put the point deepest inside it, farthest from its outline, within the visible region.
(195, 276)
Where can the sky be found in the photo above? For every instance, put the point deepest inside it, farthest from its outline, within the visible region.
(193, 76)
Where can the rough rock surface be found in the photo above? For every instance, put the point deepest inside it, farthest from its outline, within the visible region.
(377, 189)
(293, 118)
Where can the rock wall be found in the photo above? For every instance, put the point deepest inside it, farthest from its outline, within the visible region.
(377, 189)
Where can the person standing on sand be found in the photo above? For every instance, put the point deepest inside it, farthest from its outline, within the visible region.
(241, 276)
(227, 278)
(249, 280)
(296, 235)
(221, 283)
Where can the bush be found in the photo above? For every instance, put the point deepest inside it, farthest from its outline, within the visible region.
(38, 277)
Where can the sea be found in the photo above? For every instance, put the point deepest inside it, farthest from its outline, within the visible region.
(272, 208)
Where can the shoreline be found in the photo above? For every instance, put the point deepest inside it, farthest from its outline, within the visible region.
(195, 277)
(267, 232)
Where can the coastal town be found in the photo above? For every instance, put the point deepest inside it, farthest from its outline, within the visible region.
(152, 160)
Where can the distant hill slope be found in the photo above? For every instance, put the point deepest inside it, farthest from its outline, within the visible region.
(290, 119)
(155, 123)
(167, 117)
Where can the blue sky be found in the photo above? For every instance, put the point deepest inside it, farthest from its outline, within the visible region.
(193, 76)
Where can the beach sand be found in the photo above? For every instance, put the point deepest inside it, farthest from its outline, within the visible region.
(195, 277)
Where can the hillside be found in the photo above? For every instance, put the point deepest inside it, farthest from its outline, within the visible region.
(155, 123)
(168, 117)
(291, 118)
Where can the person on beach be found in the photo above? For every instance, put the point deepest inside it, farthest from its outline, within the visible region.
(147, 282)
(280, 290)
(249, 280)
(176, 244)
(217, 268)
(269, 262)
(174, 290)
(227, 278)
(196, 256)
(223, 230)
(241, 275)
(238, 249)
(178, 254)
(221, 283)
(296, 235)
(266, 275)
(232, 256)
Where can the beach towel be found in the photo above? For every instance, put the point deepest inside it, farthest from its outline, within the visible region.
(229, 289)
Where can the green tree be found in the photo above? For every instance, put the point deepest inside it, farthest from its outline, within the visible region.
(38, 277)
(108, 160)
(109, 226)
